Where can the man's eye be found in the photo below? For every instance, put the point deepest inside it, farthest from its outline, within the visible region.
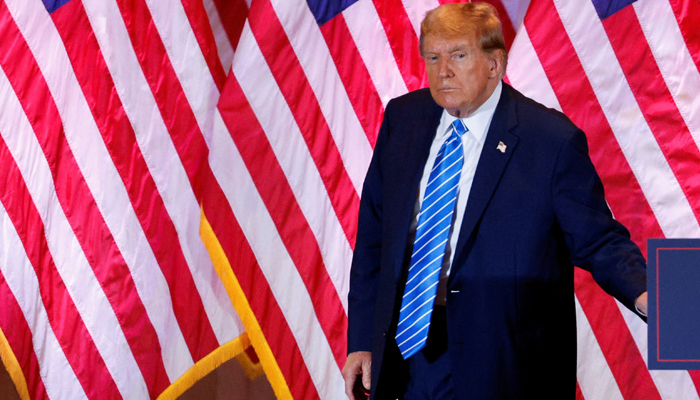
(461, 55)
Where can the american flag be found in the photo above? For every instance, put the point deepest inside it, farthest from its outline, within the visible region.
(181, 178)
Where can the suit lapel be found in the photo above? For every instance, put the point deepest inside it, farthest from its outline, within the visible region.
(489, 170)
(418, 139)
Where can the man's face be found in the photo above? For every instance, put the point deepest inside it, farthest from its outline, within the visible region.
(461, 75)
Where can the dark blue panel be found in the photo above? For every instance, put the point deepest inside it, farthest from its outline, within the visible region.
(325, 10)
(606, 8)
(673, 280)
(53, 5)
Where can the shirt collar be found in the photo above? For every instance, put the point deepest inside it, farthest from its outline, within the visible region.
(479, 121)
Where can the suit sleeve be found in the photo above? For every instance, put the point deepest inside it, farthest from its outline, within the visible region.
(596, 241)
(366, 262)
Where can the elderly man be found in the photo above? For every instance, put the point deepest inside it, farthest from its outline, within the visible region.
(476, 206)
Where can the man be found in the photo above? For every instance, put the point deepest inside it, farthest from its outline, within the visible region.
(477, 204)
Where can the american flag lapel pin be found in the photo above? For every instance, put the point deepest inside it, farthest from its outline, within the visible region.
(501, 147)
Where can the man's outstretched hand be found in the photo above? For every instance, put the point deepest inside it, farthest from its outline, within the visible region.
(359, 364)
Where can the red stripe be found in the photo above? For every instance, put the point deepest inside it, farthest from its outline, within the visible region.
(355, 76)
(188, 141)
(233, 14)
(687, 14)
(579, 394)
(69, 328)
(256, 289)
(403, 41)
(291, 79)
(83, 214)
(506, 24)
(19, 336)
(288, 218)
(695, 377)
(579, 102)
(615, 340)
(94, 77)
(199, 21)
(656, 102)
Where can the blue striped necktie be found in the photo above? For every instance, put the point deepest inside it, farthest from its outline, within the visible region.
(432, 235)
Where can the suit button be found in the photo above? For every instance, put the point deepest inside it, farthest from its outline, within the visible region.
(384, 333)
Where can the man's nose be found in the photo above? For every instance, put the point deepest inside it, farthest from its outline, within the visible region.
(445, 68)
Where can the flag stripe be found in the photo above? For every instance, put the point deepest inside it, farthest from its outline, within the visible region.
(78, 204)
(617, 343)
(320, 72)
(371, 41)
(202, 29)
(233, 14)
(594, 378)
(188, 141)
(288, 73)
(254, 284)
(355, 76)
(298, 301)
(622, 187)
(198, 95)
(174, 186)
(673, 58)
(404, 42)
(655, 100)
(14, 324)
(636, 140)
(291, 223)
(292, 155)
(223, 44)
(118, 135)
(71, 332)
(687, 14)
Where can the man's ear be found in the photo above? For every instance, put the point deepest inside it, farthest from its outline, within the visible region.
(497, 64)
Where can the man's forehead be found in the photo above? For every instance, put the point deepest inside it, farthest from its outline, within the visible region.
(448, 44)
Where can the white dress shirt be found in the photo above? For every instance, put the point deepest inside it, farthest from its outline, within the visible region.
(472, 143)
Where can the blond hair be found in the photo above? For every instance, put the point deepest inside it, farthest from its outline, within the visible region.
(462, 19)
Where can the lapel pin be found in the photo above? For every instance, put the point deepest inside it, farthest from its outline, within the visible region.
(501, 147)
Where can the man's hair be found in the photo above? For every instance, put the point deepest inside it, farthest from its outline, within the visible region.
(462, 19)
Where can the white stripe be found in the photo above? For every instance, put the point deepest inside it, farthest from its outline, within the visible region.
(673, 58)
(416, 10)
(437, 235)
(637, 142)
(286, 140)
(71, 263)
(526, 73)
(430, 311)
(320, 70)
(671, 384)
(223, 45)
(414, 346)
(56, 374)
(414, 322)
(516, 10)
(275, 263)
(593, 372)
(101, 177)
(166, 169)
(370, 38)
(418, 296)
(186, 57)
(424, 279)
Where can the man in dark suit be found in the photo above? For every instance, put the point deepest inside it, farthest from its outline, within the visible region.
(491, 314)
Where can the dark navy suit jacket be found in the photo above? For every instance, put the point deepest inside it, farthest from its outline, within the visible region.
(534, 211)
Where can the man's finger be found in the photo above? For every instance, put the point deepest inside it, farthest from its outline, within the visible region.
(367, 374)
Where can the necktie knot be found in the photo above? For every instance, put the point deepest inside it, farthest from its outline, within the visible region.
(459, 127)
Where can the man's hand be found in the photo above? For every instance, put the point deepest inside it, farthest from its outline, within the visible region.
(358, 363)
(640, 303)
